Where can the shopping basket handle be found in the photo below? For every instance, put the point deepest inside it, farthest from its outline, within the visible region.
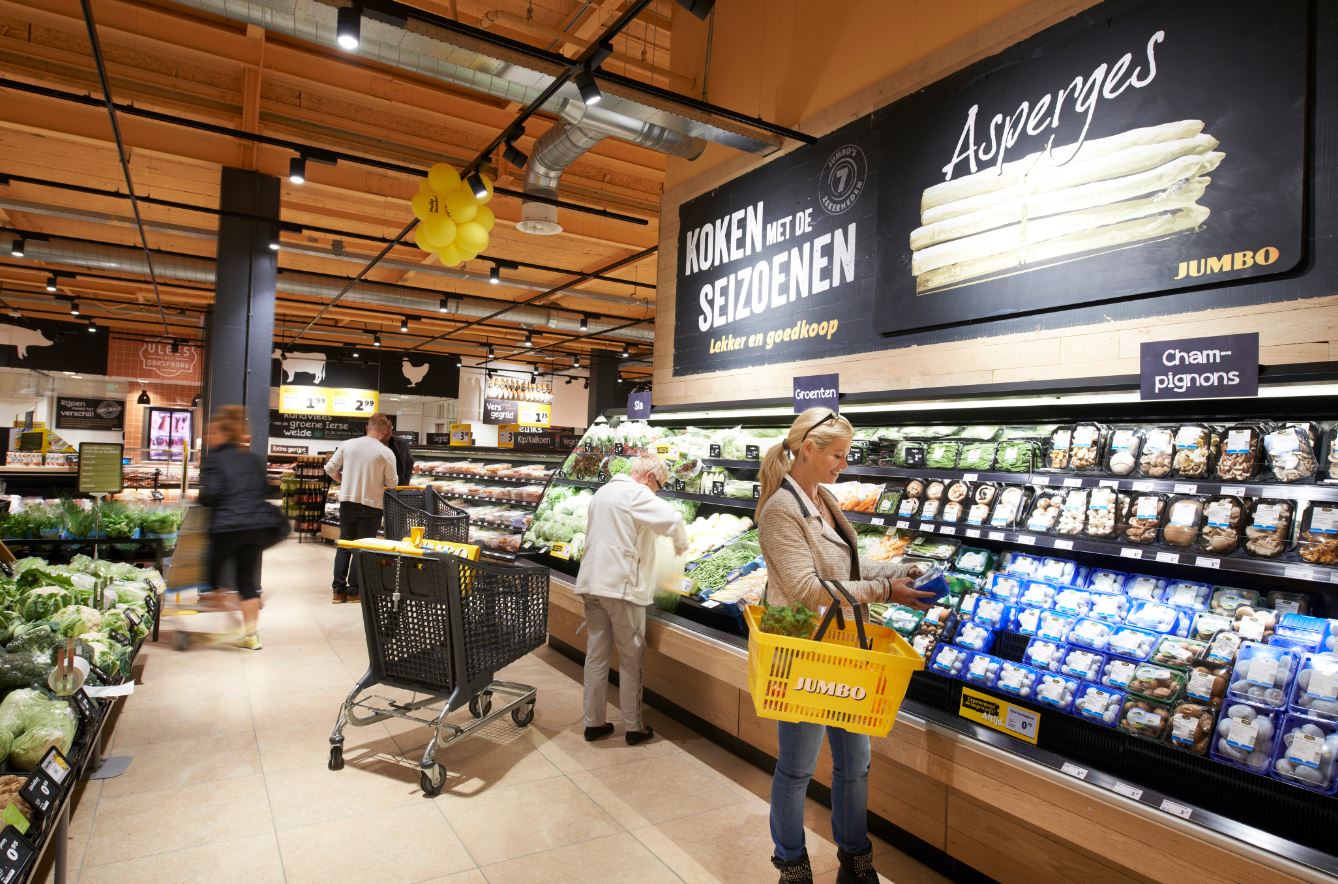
(834, 612)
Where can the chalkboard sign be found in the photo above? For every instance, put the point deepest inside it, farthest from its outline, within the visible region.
(100, 467)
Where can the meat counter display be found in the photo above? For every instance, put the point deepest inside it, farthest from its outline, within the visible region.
(1159, 594)
(499, 488)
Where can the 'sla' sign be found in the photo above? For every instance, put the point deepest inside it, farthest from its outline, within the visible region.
(1200, 368)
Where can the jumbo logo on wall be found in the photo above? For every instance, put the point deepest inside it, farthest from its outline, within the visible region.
(1135, 149)
(53, 346)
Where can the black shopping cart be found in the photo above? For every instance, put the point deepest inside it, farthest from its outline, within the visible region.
(441, 625)
(413, 506)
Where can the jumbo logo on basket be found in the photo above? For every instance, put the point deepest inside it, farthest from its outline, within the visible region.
(829, 688)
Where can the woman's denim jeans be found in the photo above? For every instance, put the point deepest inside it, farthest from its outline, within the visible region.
(799, 745)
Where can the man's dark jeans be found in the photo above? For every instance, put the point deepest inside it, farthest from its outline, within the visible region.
(356, 522)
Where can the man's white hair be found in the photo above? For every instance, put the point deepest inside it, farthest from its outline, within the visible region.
(650, 465)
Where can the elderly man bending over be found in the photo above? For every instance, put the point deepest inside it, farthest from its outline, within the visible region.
(617, 582)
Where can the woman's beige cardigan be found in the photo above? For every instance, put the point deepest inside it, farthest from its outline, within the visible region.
(799, 549)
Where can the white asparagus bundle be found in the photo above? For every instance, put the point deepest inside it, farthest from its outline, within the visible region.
(1101, 238)
(1018, 238)
(1013, 173)
(1038, 205)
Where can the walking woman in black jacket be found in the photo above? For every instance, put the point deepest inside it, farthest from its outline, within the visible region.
(233, 485)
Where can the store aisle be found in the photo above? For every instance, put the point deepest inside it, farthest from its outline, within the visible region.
(229, 778)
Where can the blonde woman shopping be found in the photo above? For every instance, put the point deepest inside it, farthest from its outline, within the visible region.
(806, 540)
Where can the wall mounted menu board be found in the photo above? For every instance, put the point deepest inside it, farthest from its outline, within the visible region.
(101, 467)
(1135, 149)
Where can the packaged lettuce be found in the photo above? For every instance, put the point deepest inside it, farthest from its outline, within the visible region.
(1017, 456)
(976, 456)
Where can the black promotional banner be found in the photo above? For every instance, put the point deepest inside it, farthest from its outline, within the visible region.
(389, 371)
(52, 346)
(89, 414)
(500, 411)
(1134, 149)
(1200, 368)
(438, 440)
(295, 426)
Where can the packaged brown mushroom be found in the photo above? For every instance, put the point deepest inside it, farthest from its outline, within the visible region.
(1144, 522)
(1122, 450)
(1103, 511)
(1073, 513)
(1086, 447)
(1269, 528)
(1045, 509)
(1194, 448)
(1184, 518)
(1059, 450)
(1157, 682)
(1331, 447)
(1207, 683)
(1318, 541)
(981, 500)
(1242, 448)
(1192, 726)
(1223, 518)
(1144, 718)
(1158, 452)
(1291, 453)
(1254, 624)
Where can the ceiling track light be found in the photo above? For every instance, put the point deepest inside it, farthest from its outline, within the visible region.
(495, 274)
(587, 383)
(514, 155)
(589, 89)
(274, 243)
(176, 345)
(297, 169)
(444, 305)
(376, 339)
(195, 402)
(51, 283)
(348, 27)
(475, 182)
(491, 352)
(529, 340)
(16, 249)
(625, 352)
(575, 361)
(74, 306)
(92, 326)
(404, 324)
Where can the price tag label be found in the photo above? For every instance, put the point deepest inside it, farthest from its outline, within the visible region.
(132, 618)
(39, 792)
(970, 477)
(1026, 540)
(1109, 483)
(686, 585)
(1023, 722)
(1169, 558)
(855, 456)
(618, 448)
(752, 452)
(1298, 573)
(1234, 490)
(1144, 486)
(1178, 809)
(757, 491)
(947, 529)
(718, 488)
(559, 551)
(1128, 553)
(1063, 544)
(1127, 790)
(877, 520)
(972, 532)
(1182, 488)
(711, 604)
(1207, 562)
(83, 705)
(1040, 480)
(15, 855)
(996, 535)
(1073, 483)
(714, 450)
(903, 524)
(1073, 770)
(55, 765)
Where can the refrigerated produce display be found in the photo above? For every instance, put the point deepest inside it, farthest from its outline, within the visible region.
(1161, 591)
(499, 488)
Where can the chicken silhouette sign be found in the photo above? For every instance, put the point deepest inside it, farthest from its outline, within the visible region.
(420, 374)
(403, 372)
(51, 345)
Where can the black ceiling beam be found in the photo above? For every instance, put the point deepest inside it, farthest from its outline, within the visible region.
(312, 153)
(290, 226)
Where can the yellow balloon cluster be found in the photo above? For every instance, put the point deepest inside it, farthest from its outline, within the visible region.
(453, 223)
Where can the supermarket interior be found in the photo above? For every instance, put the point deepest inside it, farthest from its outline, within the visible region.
(562, 340)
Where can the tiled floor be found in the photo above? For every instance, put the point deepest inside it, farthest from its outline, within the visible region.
(229, 778)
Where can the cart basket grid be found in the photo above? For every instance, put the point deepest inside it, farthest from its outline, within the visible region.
(504, 613)
(424, 508)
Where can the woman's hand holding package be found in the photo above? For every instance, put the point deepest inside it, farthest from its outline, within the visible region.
(901, 592)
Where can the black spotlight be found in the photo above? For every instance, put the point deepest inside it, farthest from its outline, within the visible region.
(348, 27)
(585, 323)
(589, 89)
(195, 402)
(74, 306)
(495, 275)
(576, 360)
(376, 339)
(625, 352)
(176, 346)
(17, 248)
(444, 306)
(529, 340)
(404, 324)
(514, 155)
(491, 351)
(92, 326)
(51, 283)
(475, 182)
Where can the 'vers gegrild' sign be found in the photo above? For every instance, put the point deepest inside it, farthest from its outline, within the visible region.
(1200, 368)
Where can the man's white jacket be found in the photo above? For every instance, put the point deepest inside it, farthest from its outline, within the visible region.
(619, 559)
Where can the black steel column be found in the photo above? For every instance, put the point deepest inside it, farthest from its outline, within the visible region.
(241, 329)
(605, 391)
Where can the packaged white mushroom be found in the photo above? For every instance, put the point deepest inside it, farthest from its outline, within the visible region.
(1291, 453)
(1128, 641)
(1263, 674)
(1056, 690)
(992, 614)
(1207, 625)
(1009, 506)
(1016, 678)
(1158, 452)
(1102, 513)
(1143, 586)
(1316, 691)
(1058, 570)
(1045, 509)
(1122, 450)
(1091, 633)
(1245, 736)
(1188, 594)
(1044, 654)
(983, 669)
(1082, 664)
(1117, 673)
(1006, 586)
(1099, 704)
(1194, 450)
(1102, 580)
(1109, 607)
(1154, 616)
(1073, 514)
(1027, 620)
(1227, 599)
(975, 637)
(1055, 626)
(1255, 624)
(949, 660)
(1071, 600)
(1305, 755)
(1038, 594)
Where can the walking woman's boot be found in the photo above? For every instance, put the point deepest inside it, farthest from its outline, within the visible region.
(794, 871)
(856, 868)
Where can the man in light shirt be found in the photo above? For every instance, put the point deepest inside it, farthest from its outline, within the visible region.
(364, 468)
(617, 582)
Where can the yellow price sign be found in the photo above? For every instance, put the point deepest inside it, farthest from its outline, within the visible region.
(534, 414)
(506, 435)
(999, 715)
(330, 401)
(559, 550)
(462, 435)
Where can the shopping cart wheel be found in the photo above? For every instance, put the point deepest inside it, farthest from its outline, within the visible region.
(432, 779)
(480, 704)
(336, 758)
(523, 715)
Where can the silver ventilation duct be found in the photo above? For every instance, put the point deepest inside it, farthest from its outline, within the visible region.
(120, 259)
(581, 128)
(475, 65)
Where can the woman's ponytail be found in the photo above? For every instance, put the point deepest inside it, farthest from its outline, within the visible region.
(822, 425)
(775, 467)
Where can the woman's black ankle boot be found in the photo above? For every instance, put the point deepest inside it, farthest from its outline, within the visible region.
(794, 871)
(856, 868)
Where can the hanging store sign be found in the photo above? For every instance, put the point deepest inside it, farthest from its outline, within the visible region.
(638, 405)
(817, 391)
(1134, 149)
(89, 414)
(333, 401)
(52, 346)
(410, 436)
(510, 411)
(1200, 368)
(438, 440)
(316, 426)
(418, 374)
(133, 358)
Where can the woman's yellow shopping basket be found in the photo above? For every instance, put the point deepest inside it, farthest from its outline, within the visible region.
(833, 678)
